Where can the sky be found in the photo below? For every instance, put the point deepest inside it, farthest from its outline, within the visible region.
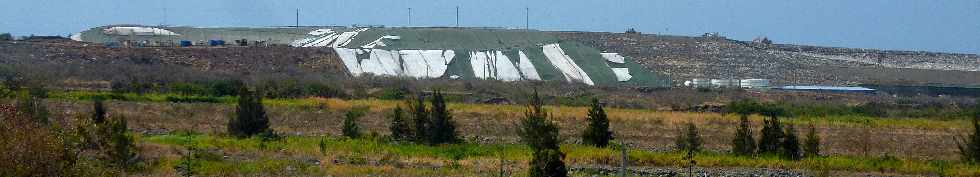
(919, 25)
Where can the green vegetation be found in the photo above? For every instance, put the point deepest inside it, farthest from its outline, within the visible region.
(772, 136)
(441, 126)
(689, 139)
(400, 129)
(744, 143)
(811, 147)
(541, 135)
(351, 129)
(970, 146)
(250, 117)
(420, 117)
(597, 133)
(31, 105)
(791, 144)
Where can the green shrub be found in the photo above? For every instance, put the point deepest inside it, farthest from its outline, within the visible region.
(811, 147)
(772, 136)
(689, 139)
(420, 118)
(32, 106)
(250, 117)
(744, 142)
(351, 129)
(192, 99)
(400, 130)
(970, 146)
(122, 150)
(541, 134)
(597, 133)
(791, 145)
(98, 111)
(441, 126)
(393, 94)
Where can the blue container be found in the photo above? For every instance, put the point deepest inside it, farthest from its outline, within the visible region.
(217, 42)
(186, 43)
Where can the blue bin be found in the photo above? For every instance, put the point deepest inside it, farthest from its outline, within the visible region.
(217, 42)
(186, 43)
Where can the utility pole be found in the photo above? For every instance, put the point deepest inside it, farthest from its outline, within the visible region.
(527, 18)
(457, 16)
(297, 18)
(409, 16)
(622, 170)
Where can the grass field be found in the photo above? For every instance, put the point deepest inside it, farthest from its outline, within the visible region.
(315, 155)
(854, 144)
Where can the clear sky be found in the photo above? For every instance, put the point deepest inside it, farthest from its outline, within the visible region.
(931, 25)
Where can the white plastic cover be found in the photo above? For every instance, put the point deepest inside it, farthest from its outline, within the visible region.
(613, 57)
(349, 57)
(505, 68)
(322, 41)
(527, 68)
(565, 64)
(320, 32)
(622, 74)
(344, 38)
(139, 31)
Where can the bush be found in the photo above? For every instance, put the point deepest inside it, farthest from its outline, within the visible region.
(250, 117)
(393, 94)
(400, 130)
(192, 99)
(541, 134)
(811, 147)
(548, 163)
(772, 136)
(420, 117)
(791, 145)
(441, 126)
(970, 146)
(98, 111)
(351, 130)
(597, 133)
(32, 148)
(689, 139)
(121, 150)
(744, 142)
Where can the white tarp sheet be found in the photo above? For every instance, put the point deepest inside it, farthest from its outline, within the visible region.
(139, 31)
(426, 63)
(505, 68)
(565, 64)
(527, 68)
(320, 32)
(349, 57)
(480, 64)
(613, 57)
(322, 41)
(344, 38)
(622, 74)
(382, 62)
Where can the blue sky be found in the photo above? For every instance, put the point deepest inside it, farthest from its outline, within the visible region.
(945, 25)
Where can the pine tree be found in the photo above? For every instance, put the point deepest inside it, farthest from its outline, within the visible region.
(399, 128)
(970, 146)
(744, 143)
(420, 118)
(250, 118)
(597, 133)
(98, 115)
(541, 134)
(791, 144)
(689, 139)
(772, 136)
(121, 150)
(441, 125)
(811, 147)
(351, 130)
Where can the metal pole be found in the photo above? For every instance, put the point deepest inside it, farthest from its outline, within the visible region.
(457, 16)
(409, 16)
(297, 18)
(527, 18)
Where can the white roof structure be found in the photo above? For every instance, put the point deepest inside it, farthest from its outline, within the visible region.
(139, 31)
